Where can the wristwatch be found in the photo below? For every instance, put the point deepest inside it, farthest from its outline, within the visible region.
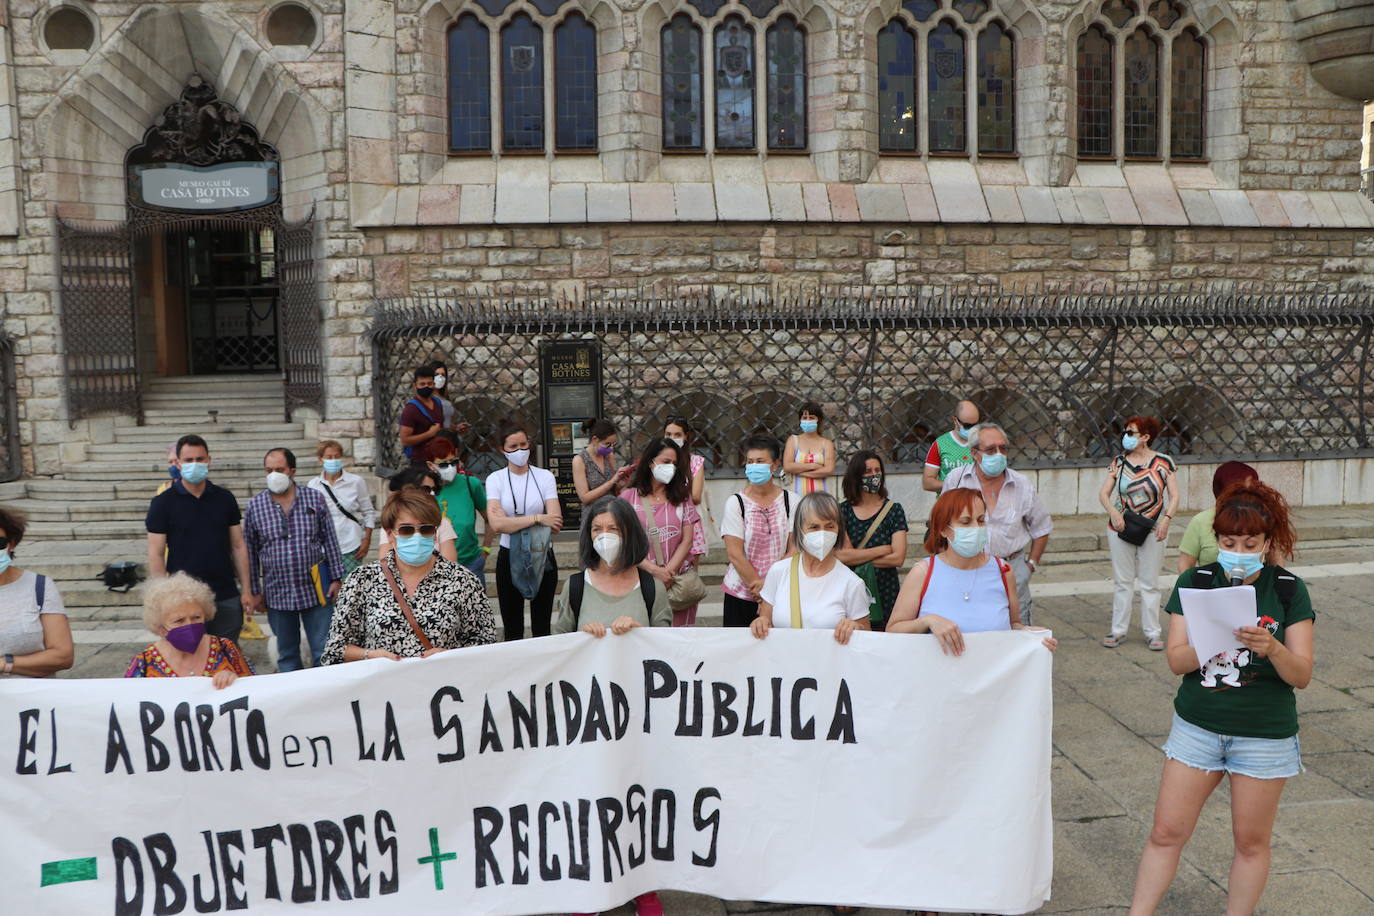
(9, 664)
(1032, 564)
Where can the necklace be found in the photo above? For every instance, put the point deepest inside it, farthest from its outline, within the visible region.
(969, 591)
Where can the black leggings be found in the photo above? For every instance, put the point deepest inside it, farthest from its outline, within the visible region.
(513, 603)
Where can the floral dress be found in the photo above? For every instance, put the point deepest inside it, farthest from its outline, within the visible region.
(224, 656)
(449, 604)
(889, 582)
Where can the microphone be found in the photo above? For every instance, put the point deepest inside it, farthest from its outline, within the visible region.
(1237, 575)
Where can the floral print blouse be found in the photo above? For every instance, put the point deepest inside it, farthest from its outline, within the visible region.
(224, 656)
(450, 605)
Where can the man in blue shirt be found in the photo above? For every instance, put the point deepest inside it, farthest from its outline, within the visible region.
(195, 527)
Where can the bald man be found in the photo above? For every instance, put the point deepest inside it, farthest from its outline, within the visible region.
(951, 449)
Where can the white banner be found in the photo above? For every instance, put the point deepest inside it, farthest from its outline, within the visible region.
(549, 775)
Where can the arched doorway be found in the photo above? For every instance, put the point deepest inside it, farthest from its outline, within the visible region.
(205, 277)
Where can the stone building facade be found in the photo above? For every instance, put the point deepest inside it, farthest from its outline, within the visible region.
(356, 99)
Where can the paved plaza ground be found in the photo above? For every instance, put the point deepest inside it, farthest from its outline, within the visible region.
(1112, 711)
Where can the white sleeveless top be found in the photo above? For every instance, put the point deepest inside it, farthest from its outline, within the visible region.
(985, 608)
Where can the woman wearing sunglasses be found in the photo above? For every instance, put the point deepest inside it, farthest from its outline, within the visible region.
(420, 477)
(413, 603)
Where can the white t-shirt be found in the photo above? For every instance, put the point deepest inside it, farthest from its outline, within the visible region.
(21, 626)
(825, 599)
(521, 494)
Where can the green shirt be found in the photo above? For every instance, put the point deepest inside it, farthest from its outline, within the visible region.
(1199, 540)
(461, 501)
(599, 607)
(952, 454)
(1235, 693)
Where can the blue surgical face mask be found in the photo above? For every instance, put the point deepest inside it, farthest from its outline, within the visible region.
(174, 472)
(195, 471)
(414, 550)
(969, 542)
(809, 426)
(758, 474)
(1130, 442)
(993, 464)
(5, 561)
(333, 465)
(1249, 563)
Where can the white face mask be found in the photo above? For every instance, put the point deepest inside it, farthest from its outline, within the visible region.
(439, 381)
(447, 474)
(664, 473)
(607, 546)
(278, 483)
(676, 441)
(520, 457)
(819, 543)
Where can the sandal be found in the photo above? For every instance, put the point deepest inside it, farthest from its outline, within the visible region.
(1111, 640)
(1156, 645)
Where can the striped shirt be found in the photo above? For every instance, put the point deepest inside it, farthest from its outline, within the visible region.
(283, 547)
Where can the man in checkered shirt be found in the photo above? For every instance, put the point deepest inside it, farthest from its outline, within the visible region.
(288, 532)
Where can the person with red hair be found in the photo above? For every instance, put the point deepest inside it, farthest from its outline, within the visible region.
(1235, 714)
(1199, 544)
(960, 588)
(1140, 497)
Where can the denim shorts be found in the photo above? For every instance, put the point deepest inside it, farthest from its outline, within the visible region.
(1258, 758)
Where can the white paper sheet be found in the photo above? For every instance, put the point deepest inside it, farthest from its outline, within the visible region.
(1214, 614)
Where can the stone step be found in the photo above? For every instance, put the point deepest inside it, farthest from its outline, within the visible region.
(93, 594)
(233, 448)
(154, 470)
(234, 396)
(178, 420)
(159, 435)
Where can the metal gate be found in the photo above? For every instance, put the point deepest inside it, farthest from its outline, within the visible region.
(299, 322)
(1268, 375)
(99, 327)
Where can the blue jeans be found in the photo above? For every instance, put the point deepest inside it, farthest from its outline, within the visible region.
(286, 626)
(478, 567)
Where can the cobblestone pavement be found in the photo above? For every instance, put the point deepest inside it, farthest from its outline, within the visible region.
(1112, 711)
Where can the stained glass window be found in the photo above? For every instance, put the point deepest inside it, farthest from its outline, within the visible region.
(786, 55)
(1187, 134)
(996, 91)
(681, 55)
(734, 42)
(1142, 95)
(897, 111)
(574, 80)
(522, 85)
(921, 10)
(1094, 93)
(469, 87)
(947, 105)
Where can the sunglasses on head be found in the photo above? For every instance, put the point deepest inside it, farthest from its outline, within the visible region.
(407, 531)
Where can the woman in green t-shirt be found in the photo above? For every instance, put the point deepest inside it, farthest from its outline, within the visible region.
(1235, 713)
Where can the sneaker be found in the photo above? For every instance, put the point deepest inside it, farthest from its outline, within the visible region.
(648, 905)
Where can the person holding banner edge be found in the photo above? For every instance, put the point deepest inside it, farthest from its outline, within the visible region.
(813, 588)
(413, 602)
(972, 591)
(612, 591)
(1235, 714)
(176, 609)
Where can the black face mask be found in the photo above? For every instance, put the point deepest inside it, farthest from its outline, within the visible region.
(872, 483)
(424, 392)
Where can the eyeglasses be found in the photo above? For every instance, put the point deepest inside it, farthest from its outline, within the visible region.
(407, 531)
(447, 464)
(1132, 432)
(993, 449)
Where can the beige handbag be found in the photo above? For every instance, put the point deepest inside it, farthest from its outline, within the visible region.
(687, 588)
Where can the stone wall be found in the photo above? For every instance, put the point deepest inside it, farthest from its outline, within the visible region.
(577, 262)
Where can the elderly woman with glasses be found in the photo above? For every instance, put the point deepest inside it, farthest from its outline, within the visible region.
(414, 602)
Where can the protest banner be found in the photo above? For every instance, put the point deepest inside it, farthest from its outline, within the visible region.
(549, 775)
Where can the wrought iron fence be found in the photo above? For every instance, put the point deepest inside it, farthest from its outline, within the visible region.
(11, 459)
(1266, 374)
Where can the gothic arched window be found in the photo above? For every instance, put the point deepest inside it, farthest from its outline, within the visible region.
(682, 103)
(734, 47)
(574, 80)
(1142, 82)
(469, 86)
(522, 85)
(785, 54)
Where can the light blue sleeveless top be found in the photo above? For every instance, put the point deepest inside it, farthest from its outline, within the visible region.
(975, 599)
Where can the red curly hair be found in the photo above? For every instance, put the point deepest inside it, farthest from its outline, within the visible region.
(1251, 507)
(950, 505)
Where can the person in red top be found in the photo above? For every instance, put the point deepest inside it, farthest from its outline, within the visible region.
(423, 415)
(176, 608)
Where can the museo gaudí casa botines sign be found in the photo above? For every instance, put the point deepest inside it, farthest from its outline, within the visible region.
(206, 189)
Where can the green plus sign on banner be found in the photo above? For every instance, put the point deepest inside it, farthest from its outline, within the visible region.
(437, 858)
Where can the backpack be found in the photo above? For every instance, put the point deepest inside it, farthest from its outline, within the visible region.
(40, 590)
(1285, 584)
(577, 583)
(786, 504)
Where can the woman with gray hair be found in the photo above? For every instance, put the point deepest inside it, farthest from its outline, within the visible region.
(611, 590)
(813, 588)
(176, 609)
